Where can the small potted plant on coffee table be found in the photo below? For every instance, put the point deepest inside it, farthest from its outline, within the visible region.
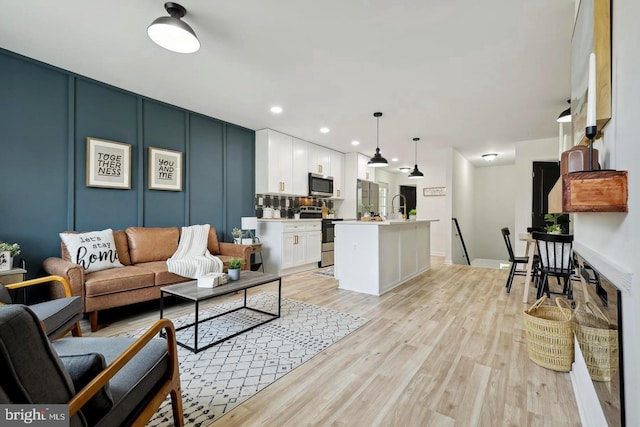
(234, 268)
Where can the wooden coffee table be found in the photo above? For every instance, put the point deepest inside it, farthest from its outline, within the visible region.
(190, 291)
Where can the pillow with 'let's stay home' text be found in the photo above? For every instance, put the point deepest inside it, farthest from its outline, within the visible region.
(94, 251)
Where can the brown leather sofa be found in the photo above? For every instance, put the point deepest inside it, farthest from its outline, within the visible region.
(143, 251)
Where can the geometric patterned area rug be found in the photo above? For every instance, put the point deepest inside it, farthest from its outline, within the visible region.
(216, 380)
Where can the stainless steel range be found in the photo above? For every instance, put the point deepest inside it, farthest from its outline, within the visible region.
(328, 229)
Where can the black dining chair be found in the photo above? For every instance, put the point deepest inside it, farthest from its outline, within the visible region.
(556, 260)
(513, 259)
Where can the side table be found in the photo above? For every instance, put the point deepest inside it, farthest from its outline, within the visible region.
(256, 248)
(14, 275)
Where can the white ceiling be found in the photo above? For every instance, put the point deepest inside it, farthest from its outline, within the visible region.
(473, 75)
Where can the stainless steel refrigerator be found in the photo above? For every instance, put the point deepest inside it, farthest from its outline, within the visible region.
(368, 193)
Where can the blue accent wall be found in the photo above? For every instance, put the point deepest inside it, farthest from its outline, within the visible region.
(46, 115)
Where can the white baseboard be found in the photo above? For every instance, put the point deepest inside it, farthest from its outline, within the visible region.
(591, 413)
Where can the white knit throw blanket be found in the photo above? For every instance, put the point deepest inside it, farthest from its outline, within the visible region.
(192, 259)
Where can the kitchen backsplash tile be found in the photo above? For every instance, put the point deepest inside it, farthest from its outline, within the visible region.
(287, 204)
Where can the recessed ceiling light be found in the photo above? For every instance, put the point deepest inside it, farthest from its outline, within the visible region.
(276, 109)
(405, 169)
(325, 130)
(489, 157)
(355, 142)
(394, 159)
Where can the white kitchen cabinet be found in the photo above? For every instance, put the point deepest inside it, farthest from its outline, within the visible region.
(290, 246)
(364, 171)
(319, 160)
(281, 164)
(337, 172)
(300, 178)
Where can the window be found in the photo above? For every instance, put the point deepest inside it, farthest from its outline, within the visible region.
(383, 195)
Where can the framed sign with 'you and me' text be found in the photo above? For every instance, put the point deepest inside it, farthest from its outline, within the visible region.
(165, 169)
(108, 164)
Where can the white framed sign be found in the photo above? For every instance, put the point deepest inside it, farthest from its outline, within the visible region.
(165, 169)
(108, 164)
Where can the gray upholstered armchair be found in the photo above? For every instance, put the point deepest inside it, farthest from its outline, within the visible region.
(105, 381)
(59, 315)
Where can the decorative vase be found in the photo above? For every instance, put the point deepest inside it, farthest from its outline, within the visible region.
(234, 273)
(412, 217)
(296, 216)
(247, 241)
(237, 240)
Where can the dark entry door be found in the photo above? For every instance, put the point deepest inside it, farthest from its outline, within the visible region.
(410, 193)
(545, 175)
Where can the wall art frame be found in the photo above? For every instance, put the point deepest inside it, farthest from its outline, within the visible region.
(434, 191)
(165, 169)
(108, 164)
(591, 33)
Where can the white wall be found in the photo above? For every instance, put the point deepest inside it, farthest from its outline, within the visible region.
(435, 171)
(495, 190)
(462, 208)
(543, 150)
(615, 235)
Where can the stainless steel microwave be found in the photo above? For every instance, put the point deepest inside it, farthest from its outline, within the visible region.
(320, 185)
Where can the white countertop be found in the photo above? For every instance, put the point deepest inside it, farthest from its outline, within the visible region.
(386, 222)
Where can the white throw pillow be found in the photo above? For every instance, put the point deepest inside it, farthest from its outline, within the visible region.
(94, 251)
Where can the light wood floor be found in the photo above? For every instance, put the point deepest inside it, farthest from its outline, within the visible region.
(446, 349)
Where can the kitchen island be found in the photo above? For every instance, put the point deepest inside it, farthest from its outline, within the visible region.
(375, 257)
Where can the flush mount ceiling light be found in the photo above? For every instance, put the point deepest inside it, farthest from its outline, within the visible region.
(405, 169)
(325, 130)
(565, 116)
(395, 159)
(415, 173)
(276, 109)
(173, 34)
(489, 157)
(355, 142)
(377, 161)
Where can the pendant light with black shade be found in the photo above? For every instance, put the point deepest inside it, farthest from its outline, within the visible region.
(415, 173)
(377, 161)
(173, 34)
(565, 116)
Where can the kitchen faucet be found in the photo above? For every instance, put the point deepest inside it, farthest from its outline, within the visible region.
(404, 212)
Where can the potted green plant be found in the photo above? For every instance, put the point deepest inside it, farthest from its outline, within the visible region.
(234, 268)
(237, 235)
(553, 227)
(296, 212)
(332, 213)
(13, 249)
(366, 209)
(412, 214)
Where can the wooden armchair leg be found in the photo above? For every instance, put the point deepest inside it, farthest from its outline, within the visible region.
(176, 406)
(76, 331)
(93, 319)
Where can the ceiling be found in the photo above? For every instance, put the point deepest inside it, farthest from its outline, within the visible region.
(474, 75)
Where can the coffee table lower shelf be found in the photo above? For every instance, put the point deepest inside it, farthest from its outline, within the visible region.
(191, 292)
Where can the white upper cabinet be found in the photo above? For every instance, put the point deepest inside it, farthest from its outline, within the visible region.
(364, 171)
(337, 172)
(319, 160)
(300, 184)
(274, 159)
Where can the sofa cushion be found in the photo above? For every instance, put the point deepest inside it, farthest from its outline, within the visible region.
(212, 242)
(83, 368)
(152, 244)
(94, 250)
(117, 280)
(140, 377)
(162, 275)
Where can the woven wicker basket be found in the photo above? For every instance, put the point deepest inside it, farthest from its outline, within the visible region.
(598, 340)
(549, 332)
